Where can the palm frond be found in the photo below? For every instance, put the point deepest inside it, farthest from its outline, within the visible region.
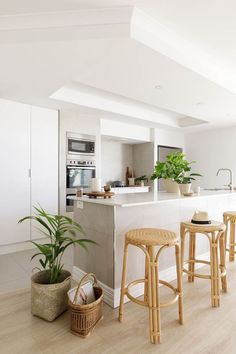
(62, 232)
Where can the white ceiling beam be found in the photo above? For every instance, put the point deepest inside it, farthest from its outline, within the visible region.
(107, 16)
(87, 96)
(66, 25)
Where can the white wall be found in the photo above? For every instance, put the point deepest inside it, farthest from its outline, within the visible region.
(73, 122)
(125, 130)
(212, 150)
(144, 159)
(115, 158)
(171, 138)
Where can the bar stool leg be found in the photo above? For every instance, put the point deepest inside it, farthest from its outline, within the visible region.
(182, 249)
(223, 262)
(146, 278)
(215, 281)
(155, 300)
(149, 297)
(179, 282)
(122, 290)
(226, 222)
(191, 265)
(232, 241)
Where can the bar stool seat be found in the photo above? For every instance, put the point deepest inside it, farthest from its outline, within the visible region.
(215, 232)
(229, 218)
(230, 213)
(151, 237)
(147, 239)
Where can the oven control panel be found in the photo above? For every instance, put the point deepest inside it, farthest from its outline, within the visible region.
(73, 162)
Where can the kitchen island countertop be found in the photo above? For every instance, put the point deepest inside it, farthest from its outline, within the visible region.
(139, 199)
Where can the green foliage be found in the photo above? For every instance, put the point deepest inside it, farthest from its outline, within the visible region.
(61, 231)
(141, 178)
(176, 168)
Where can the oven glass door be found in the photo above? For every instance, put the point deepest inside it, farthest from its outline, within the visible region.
(82, 147)
(79, 176)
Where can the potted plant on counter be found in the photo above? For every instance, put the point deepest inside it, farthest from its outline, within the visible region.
(49, 286)
(184, 179)
(168, 171)
(140, 180)
(175, 173)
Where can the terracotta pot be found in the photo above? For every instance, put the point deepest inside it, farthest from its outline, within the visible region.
(185, 188)
(48, 301)
(170, 186)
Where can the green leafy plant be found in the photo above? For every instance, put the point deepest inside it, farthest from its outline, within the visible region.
(61, 231)
(176, 168)
(141, 178)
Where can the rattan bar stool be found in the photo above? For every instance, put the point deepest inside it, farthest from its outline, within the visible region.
(229, 218)
(146, 239)
(215, 233)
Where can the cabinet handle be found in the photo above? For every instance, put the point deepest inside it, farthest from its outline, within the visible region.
(29, 172)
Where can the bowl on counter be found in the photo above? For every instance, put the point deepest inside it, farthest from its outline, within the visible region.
(107, 188)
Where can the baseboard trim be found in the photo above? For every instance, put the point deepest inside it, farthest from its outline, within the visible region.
(78, 273)
(112, 296)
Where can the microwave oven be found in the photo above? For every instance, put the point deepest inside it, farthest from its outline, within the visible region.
(80, 145)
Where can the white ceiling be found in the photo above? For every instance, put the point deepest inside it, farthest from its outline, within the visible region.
(34, 65)
(209, 24)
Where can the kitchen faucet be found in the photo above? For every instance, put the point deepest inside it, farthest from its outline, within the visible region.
(230, 185)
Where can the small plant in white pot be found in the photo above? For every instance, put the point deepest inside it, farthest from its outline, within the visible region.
(185, 183)
(49, 286)
(140, 180)
(185, 178)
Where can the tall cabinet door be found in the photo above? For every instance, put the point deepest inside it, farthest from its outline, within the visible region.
(14, 171)
(44, 161)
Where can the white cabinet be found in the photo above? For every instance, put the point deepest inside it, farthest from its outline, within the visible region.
(29, 167)
(14, 172)
(44, 161)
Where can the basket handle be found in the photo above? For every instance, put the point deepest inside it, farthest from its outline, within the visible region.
(82, 280)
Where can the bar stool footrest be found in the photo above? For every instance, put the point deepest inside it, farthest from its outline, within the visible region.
(144, 303)
(229, 250)
(198, 275)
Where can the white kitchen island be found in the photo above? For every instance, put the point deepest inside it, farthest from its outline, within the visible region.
(107, 220)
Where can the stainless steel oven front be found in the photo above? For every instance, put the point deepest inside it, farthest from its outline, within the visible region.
(78, 175)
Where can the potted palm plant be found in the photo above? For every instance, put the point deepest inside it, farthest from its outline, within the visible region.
(49, 286)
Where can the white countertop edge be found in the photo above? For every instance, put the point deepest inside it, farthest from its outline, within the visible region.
(139, 199)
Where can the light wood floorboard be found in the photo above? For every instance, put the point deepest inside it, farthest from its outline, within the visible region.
(206, 330)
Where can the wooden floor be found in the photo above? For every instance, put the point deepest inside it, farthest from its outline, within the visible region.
(206, 330)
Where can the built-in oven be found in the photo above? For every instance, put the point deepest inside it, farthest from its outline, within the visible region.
(80, 144)
(78, 175)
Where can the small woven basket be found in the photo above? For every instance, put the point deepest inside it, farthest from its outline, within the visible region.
(85, 317)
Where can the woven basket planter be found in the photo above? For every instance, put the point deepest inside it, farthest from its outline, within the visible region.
(48, 301)
(85, 317)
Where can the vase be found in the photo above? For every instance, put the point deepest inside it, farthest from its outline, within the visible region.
(170, 186)
(185, 188)
(48, 301)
